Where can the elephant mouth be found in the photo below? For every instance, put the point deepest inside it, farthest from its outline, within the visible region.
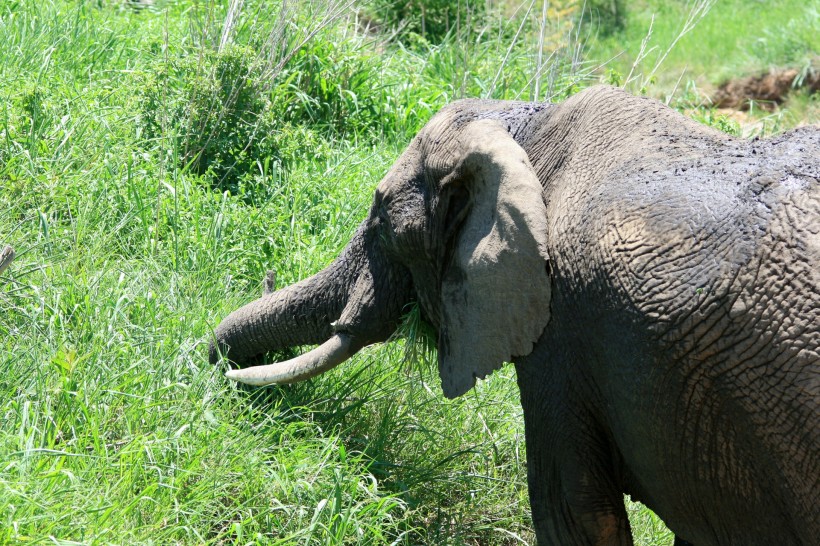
(420, 333)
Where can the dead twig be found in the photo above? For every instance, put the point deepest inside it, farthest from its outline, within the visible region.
(5, 258)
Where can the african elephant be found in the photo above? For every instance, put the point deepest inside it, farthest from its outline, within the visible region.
(656, 284)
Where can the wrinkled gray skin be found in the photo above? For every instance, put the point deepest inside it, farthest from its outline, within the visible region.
(655, 282)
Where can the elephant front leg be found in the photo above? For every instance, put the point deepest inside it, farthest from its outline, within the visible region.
(565, 511)
(573, 493)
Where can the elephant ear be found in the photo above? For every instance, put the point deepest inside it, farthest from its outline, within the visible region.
(495, 291)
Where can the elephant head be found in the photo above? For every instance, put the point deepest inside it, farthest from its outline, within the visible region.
(458, 224)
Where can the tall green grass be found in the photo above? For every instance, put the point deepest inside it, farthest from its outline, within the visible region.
(736, 38)
(730, 40)
(113, 426)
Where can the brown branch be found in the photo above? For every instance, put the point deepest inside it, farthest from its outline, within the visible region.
(5, 258)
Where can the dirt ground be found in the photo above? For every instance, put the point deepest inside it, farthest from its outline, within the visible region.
(767, 90)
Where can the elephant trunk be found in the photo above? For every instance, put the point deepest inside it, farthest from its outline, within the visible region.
(300, 314)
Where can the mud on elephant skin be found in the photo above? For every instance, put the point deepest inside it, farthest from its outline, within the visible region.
(655, 283)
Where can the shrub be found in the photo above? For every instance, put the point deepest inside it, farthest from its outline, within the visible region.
(432, 20)
(215, 106)
(228, 112)
(694, 105)
(335, 85)
(607, 15)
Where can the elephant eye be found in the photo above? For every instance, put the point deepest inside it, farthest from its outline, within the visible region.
(385, 226)
(382, 215)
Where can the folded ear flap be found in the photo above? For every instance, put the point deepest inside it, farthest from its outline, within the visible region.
(495, 290)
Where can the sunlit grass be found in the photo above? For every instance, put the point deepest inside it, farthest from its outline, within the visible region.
(113, 426)
(735, 38)
(115, 429)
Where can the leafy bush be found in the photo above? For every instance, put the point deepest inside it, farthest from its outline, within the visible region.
(694, 105)
(336, 86)
(721, 122)
(215, 105)
(608, 16)
(431, 20)
(229, 113)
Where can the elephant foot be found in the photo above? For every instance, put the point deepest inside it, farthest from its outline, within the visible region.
(583, 529)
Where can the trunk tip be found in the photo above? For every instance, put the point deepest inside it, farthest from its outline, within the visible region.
(218, 349)
(214, 354)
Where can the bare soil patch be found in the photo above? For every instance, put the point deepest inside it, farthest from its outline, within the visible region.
(765, 90)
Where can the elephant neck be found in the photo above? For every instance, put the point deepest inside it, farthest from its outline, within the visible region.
(597, 131)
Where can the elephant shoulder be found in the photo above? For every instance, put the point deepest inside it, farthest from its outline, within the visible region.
(658, 239)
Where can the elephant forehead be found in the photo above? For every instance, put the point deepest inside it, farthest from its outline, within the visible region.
(447, 138)
(442, 142)
(438, 147)
(402, 173)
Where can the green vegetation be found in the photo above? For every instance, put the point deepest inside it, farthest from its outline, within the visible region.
(428, 20)
(154, 163)
(734, 39)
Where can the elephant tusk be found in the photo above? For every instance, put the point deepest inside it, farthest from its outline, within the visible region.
(328, 355)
